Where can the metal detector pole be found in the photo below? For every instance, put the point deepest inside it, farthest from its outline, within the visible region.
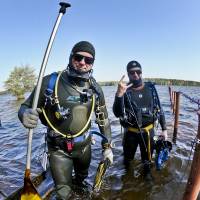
(41, 74)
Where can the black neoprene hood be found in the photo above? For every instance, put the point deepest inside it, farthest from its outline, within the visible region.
(133, 64)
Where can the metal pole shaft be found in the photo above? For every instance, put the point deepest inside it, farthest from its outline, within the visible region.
(174, 102)
(45, 60)
(39, 83)
(193, 184)
(177, 95)
(170, 95)
(41, 74)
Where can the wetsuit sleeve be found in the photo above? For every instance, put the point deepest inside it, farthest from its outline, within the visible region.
(28, 102)
(102, 115)
(162, 120)
(118, 106)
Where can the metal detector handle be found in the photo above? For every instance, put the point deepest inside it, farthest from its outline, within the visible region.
(63, 5)
(41, 74)
(47, 53)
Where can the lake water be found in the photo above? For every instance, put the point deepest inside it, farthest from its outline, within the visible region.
(169, 183)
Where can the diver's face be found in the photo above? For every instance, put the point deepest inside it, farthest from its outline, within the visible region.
(134, 74)
(82, 61)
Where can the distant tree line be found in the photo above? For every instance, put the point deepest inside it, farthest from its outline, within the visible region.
(107, 83)
(158, 81)
(22, 79)
(162, 81)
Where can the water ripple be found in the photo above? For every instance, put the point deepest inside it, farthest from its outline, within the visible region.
(118, 184)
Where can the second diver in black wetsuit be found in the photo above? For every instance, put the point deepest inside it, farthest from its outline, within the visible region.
(137, 106)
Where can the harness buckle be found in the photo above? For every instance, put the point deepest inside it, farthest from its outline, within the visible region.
(69, 144)
(48, 97)
(100, 117)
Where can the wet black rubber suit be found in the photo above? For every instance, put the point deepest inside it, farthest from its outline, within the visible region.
(62, 159)
(139, 103)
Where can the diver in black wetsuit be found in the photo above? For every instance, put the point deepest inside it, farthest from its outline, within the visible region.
(66, 103)
(138, 107)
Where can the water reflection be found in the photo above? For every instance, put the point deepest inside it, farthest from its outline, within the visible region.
(118, 184)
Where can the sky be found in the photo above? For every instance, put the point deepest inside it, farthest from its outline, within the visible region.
(162, 35)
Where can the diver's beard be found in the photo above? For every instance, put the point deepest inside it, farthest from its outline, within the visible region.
(136, 83)
(84, 76)
(81, 70)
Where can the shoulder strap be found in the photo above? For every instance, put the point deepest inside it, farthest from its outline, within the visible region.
(154, 93)
(51, 84)
(150, 84)
(94, 86)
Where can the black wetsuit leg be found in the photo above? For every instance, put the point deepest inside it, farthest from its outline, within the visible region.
(81, 164)
(130, 144)
(144, 150)
(61, 168)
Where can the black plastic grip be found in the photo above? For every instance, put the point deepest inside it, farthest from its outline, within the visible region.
(63, 7)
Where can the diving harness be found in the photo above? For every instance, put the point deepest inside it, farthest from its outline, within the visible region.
(138, 118)
(62, 113)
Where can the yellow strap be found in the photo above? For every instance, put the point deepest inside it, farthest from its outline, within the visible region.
(149, 146)
(136, 130)
(67, 134)
(145, 129)
(133, 130)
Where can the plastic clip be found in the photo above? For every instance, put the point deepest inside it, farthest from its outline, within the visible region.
(69, 145)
